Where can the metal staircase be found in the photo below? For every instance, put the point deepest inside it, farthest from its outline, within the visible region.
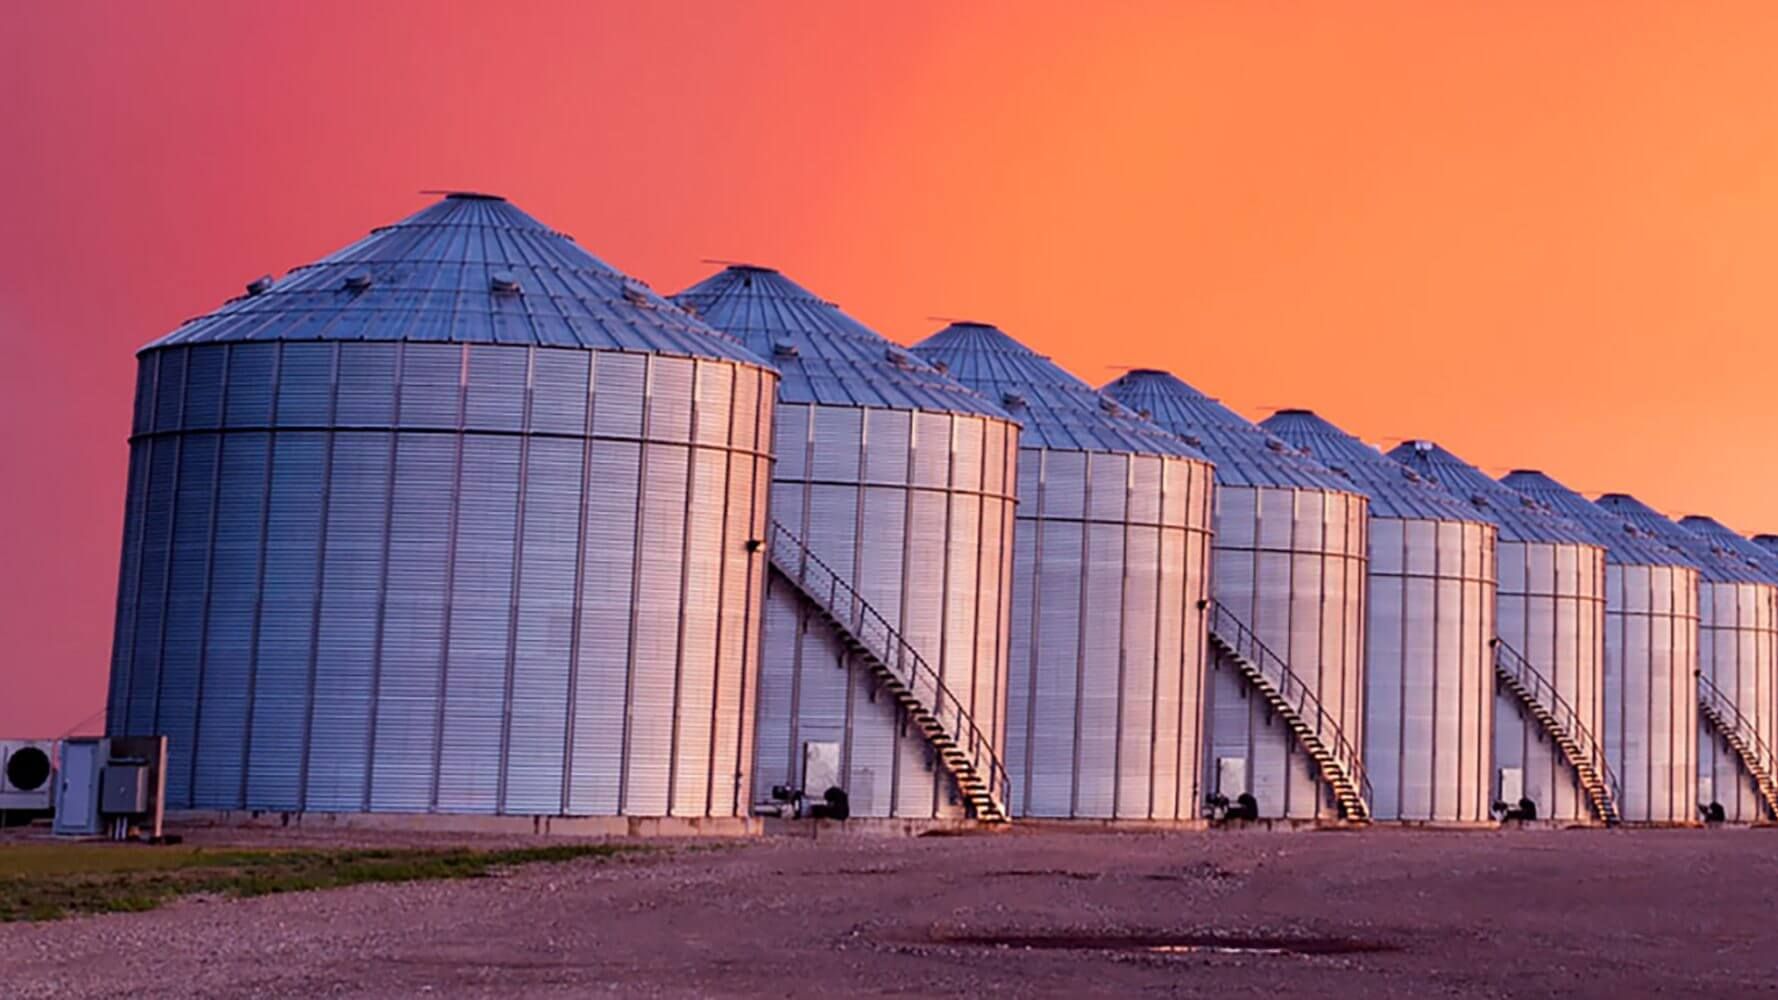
(1564, 728)
(1719, 710)
(1317, 732)
(965, 750)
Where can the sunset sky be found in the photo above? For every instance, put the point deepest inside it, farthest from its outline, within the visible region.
(1541, 233)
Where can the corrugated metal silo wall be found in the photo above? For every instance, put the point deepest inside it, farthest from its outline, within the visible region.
(1291, 564)
(1110, 570)
(915, 509)
(1552, 611)
(1651, 690)
(430, 577)
(1429, 689)
(1738, 651)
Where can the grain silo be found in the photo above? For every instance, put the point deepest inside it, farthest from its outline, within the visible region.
(1737, 668)
(1549, 707)
(1651, 657)
(1110, 574)
(1288, 573)
(1429, 679)
(1761, 742)
(454, 520)
(884, 669)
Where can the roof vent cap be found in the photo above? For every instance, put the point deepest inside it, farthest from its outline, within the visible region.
(635, 297)
(899, 358)
(357, 280)
(1275, 444)
(1193, 440)
(1012, 398)
(260, 285)
(504, 283)
(784, 349)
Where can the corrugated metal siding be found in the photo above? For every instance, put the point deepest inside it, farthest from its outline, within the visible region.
(1104, 698)
(1651, 690)
(1553, 612)
(1292, 564)
(1430, 689)
(407, 578)
(894, 501)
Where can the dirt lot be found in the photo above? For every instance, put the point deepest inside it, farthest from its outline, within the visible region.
(1376, 913)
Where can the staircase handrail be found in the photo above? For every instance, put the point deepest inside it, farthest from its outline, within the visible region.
(1529, 677)
(1719, 702)
(1306, 702)
(819, 581)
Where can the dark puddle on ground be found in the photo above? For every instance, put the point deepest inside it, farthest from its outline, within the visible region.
(1177, 944)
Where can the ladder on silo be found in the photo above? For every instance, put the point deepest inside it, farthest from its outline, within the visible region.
(1720, 711)
(967, 753)
(1563, 726)
(1317, 732)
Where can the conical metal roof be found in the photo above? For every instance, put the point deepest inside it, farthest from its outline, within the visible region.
(1625, 543)
(1521, 519)
(470, 268)
(1055, 409)
(1395, 490)
(1714, 563)
(1245, 455)
(825, 355)
(1733, 545)
(1767, 542)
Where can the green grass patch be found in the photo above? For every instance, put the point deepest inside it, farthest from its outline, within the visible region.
(47, 881)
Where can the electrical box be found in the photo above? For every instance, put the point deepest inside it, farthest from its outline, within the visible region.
(112, 786)
(1231, 777)
(821, 768)
(123, 791)
(1512, 785)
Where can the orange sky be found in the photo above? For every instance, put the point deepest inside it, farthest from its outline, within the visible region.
(1540, 233)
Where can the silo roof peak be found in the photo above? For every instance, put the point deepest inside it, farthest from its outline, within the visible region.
(469, 268)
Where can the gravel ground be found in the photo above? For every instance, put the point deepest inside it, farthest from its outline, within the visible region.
(1386, 913)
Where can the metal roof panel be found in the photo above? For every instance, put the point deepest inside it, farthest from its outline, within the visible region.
(469, 268)
(1626, 543)
(1521, 519)
(1056, 409)
(1244, 453)
(1713, 561)
(825, 355)
(1394, 489)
